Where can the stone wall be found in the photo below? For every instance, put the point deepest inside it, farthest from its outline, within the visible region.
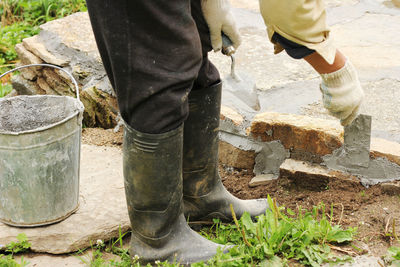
(69, 43)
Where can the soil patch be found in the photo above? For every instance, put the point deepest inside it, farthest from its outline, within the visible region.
(102, 137)
(368, 209)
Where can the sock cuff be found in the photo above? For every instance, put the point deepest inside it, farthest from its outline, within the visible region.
(347, 74)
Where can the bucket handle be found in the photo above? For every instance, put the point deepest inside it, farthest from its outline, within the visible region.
(48, 65)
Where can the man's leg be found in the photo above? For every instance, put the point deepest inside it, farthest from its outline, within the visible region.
(151, 52)
(205, 197)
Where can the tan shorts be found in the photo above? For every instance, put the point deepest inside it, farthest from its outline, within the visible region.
(300, 21)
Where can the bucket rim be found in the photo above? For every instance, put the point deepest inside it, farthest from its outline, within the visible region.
(79, 112)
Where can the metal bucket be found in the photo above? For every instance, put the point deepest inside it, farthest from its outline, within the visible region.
(40, 140)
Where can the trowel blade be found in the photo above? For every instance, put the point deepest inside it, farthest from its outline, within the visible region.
(243, 87)
(357, 142)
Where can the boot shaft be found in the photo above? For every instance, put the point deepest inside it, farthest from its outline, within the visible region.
(200, 150)
(153, 180)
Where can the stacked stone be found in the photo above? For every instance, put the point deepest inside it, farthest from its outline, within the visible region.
(276, 145)
(68, 43)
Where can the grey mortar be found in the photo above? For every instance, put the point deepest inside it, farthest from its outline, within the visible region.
(28, 113)
(269, 155)
(357, 143)
(353, 157)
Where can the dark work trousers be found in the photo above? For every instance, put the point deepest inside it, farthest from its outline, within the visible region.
(154, 53)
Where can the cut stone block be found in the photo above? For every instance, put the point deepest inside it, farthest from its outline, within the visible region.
(101, 213)
(312, 176)
(229, 114)
(392, 188)
(298, 133)
(262, 179)
(235, 157)
(385, 149)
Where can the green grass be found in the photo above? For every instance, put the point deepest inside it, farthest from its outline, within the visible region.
(392, 257)
(22, 245)
(21, 19)
(276, 237)
(5, 89)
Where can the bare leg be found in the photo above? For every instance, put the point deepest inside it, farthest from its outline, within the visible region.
(321, 66)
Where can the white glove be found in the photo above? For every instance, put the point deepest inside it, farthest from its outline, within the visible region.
(342, 94)
(219, 18)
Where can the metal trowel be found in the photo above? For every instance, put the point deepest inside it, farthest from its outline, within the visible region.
(239, 85)
(355, 152)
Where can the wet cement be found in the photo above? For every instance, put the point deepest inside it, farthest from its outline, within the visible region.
(354, 156)
(26, 113)
(357, 142)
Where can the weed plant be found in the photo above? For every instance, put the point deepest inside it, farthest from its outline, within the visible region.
(275, 238)
(5, 89)
(22, 245)
(392, 257)
(21, 19)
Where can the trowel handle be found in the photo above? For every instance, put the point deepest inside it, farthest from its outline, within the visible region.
(227, 45)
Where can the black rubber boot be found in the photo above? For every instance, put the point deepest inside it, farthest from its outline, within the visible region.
(204, 195)
(153, 186)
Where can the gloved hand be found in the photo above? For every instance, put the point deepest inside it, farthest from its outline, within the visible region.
(342, 94)
(219, 18)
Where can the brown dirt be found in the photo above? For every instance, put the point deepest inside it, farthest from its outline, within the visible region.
(101, 137)
(368, 209)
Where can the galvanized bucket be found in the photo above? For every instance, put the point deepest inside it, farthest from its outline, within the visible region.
(40, 140)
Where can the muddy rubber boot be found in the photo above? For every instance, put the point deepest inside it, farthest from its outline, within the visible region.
(204, 195)
(153, 187)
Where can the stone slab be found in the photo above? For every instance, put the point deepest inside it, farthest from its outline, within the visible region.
(392, 188)
(48, 260)
(102, 207)
(262, 179)
(72, 32)
(26, 56)
(387, 149)
(236, 157)
(296, 132)
(37, 48)
(360, 261)
(231, 115)
(312, 176)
